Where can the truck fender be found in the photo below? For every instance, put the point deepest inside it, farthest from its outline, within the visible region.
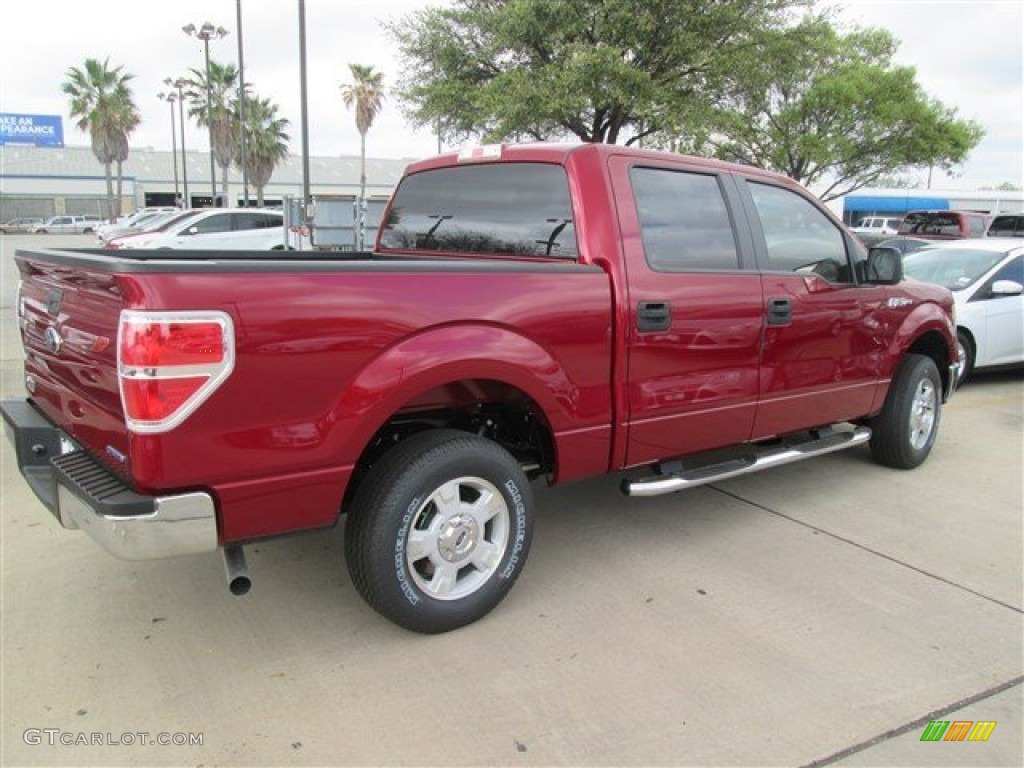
(927, 330)
(441, 355)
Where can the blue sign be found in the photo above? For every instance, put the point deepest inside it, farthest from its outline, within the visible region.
(38, 130)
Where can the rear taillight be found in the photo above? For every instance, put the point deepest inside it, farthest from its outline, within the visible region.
(169, 363)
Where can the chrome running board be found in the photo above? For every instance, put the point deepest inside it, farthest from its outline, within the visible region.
(760, 457)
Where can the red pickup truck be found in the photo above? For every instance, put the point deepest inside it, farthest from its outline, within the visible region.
(536, 311)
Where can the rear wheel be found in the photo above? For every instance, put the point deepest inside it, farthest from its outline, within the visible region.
(904, 432)
(439, 530)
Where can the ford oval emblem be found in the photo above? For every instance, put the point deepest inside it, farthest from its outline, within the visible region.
(52, 340)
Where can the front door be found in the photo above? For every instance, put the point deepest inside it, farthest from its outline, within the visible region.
(825, 335)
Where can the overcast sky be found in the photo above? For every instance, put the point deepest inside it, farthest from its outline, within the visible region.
(969, 55)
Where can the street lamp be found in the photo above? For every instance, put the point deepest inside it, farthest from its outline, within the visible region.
(170, 98)
(180, 83)
(206, 33)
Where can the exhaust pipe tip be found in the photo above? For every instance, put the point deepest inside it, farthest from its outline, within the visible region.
(237, 571)
(240, 585)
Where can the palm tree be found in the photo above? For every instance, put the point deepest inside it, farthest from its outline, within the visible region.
(366, 93)
(102, 105)
(223, 89)
(266, 142)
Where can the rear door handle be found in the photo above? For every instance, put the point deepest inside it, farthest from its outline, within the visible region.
(780, 311)
(653, 316)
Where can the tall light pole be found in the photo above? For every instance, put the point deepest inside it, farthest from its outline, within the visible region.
(206, 33)
(180, 83)
(243, 139)
(170, 98)
(306, 197)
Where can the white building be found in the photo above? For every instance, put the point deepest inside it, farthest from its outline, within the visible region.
(42, 181)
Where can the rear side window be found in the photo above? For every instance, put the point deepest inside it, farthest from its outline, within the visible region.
(220, 222)
(519, 209)
(975, 226)
(251, 220)
(799, 237)
(684, 221)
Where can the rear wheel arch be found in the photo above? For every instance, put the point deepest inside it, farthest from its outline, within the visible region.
(496, 410)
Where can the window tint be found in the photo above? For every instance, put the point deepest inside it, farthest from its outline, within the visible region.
(684, 221)
(252, 220)
(507, 208)
(220, 222)
(799, 237)
(1007, 226)
(1012, 271)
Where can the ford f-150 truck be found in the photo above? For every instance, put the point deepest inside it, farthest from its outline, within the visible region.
(534, 311)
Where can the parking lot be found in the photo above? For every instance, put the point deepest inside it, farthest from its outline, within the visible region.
(821, 613)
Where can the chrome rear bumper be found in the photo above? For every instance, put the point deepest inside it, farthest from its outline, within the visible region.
(81, 493)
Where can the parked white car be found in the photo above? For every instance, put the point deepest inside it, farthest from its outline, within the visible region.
(75, 225)
(871, 229)
(986, 276)
(255, 229)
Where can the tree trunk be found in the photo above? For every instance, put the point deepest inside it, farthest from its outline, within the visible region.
(224, 184)
(259, 197)
(110, 190)
(120, 178)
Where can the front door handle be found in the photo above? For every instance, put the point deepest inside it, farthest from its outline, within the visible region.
(653, 316)
(780, 311)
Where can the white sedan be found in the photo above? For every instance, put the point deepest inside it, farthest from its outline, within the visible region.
(986, 277)
(214, 229)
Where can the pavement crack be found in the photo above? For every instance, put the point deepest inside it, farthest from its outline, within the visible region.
(917, 724)
(867, 549)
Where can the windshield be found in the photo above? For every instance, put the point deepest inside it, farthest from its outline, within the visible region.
(953, 268)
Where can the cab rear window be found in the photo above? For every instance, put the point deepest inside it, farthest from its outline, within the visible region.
(515, 209)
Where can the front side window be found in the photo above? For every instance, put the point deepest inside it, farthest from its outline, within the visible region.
(798, 236)
(684, 221)
(517, 209)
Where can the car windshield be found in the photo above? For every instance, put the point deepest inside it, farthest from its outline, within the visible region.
(953, 268)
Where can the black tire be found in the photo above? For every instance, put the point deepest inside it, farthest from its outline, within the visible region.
(966, 351)
(903, 434)
(463, 568)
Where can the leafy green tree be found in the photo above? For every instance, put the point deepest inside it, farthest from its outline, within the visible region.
(266, 142)
(832, 111)
(102, 105)
(223, 92)
(600, 70)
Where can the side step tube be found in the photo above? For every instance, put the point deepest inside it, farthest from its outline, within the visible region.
(772, 457)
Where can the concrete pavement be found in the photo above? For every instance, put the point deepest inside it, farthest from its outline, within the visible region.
(821, 613)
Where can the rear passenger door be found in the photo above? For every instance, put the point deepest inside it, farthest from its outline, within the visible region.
(694, 313)
(823, 342)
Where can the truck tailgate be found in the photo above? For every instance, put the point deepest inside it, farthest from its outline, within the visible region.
(69, 319)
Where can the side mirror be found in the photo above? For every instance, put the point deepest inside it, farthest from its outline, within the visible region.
(1007, 288)
(192, 231)
(884, 267)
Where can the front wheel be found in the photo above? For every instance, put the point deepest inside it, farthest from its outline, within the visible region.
(903, 434)
(965, 355)
(439, 530)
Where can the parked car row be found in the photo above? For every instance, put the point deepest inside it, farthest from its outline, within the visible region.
(55, 224)
(206, 228)
(938, 225)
